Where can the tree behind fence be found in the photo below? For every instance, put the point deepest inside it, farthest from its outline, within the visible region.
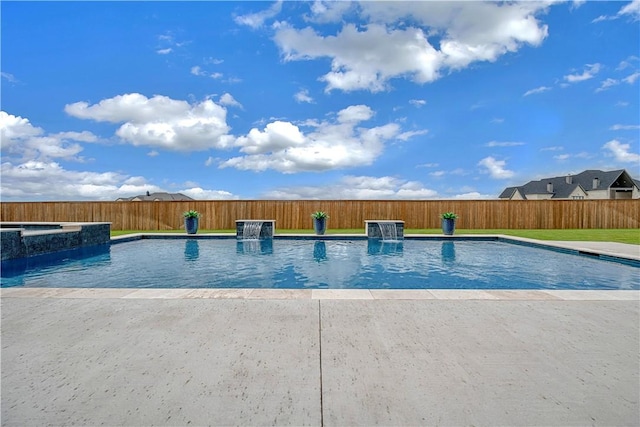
(344, 214)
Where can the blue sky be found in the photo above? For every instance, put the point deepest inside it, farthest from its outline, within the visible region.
(313, 100)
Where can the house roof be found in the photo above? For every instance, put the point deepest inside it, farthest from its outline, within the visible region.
(561, 189)
(159, 196)
(508, 193)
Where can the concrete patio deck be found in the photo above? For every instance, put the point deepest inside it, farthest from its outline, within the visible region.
(101, 357)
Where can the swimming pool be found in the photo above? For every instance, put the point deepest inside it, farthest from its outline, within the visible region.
(321, 264)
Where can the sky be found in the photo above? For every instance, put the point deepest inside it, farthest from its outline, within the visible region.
(313, 100)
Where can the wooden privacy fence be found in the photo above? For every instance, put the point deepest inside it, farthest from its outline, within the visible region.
(221, 214)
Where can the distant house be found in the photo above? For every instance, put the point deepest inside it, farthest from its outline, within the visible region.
(590, 184)
(155, 197)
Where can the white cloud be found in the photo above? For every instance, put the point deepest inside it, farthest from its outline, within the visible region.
(202, 194)
(37, 180)
(8, 77)
(367, 57)
(473, 195)
(601, 18)
(168, 43)
(503, 144)
(328, 11)
(341, 143)
(577, 3)
(621, 152)
(540, 89)
(417, 102)
(437, 174)
(49, 181)
(631, 78)
(580, 155)
(606, 84)
(609, 82)
(256, 20)
(20, 139)
(355, 113)
(357, 188)
(160, 121)
(30, 172)
(631, 9)
(589, 72)
(276, 136)
(553, 148)
(214, 61)
(198, 71)
(496, 168)
(624, 127)
(84, 136)
(228, 99)
(627, 63)
(15, 127)
(405, 136)
(303, 96)
(497, 120)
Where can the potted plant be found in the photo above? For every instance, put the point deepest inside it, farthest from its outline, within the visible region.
(320, 222)
(448, 223)
(191, 221)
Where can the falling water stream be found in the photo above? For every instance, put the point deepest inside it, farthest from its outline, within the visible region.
(251, 230)
(389, 231)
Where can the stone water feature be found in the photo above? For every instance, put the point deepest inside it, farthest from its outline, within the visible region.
(27, 239)
(255, 229)
(385, 230)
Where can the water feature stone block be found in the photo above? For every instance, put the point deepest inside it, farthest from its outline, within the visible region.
(11, 244)
(267, 230)
(374, 231)
(20, 240)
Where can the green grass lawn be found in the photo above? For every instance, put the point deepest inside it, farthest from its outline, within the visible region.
(594, 235)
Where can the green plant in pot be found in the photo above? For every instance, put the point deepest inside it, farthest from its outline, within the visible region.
(320, 222)
(191, 221)
(448, 223)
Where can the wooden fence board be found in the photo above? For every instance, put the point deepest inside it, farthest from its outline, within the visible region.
(221, 214)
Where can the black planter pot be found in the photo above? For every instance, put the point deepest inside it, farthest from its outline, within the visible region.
(448, 226)
(320, 225)
(191, 225)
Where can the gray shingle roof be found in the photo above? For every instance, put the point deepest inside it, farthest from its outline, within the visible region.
(162, 196)
(561, 189)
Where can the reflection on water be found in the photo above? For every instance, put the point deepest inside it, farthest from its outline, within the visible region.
(384, 247)
(319, 251)
(191, 250)
(262, 247)
(448, 252)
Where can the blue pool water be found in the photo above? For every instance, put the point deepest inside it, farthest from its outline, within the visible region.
(332, 264)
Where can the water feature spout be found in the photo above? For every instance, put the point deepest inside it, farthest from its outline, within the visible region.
(385, 230)
(251, 230)
(389, 231)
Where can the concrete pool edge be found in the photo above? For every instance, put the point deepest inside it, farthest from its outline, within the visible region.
(324, 294)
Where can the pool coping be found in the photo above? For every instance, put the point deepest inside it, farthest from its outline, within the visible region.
(324, 294)
(601, 249)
